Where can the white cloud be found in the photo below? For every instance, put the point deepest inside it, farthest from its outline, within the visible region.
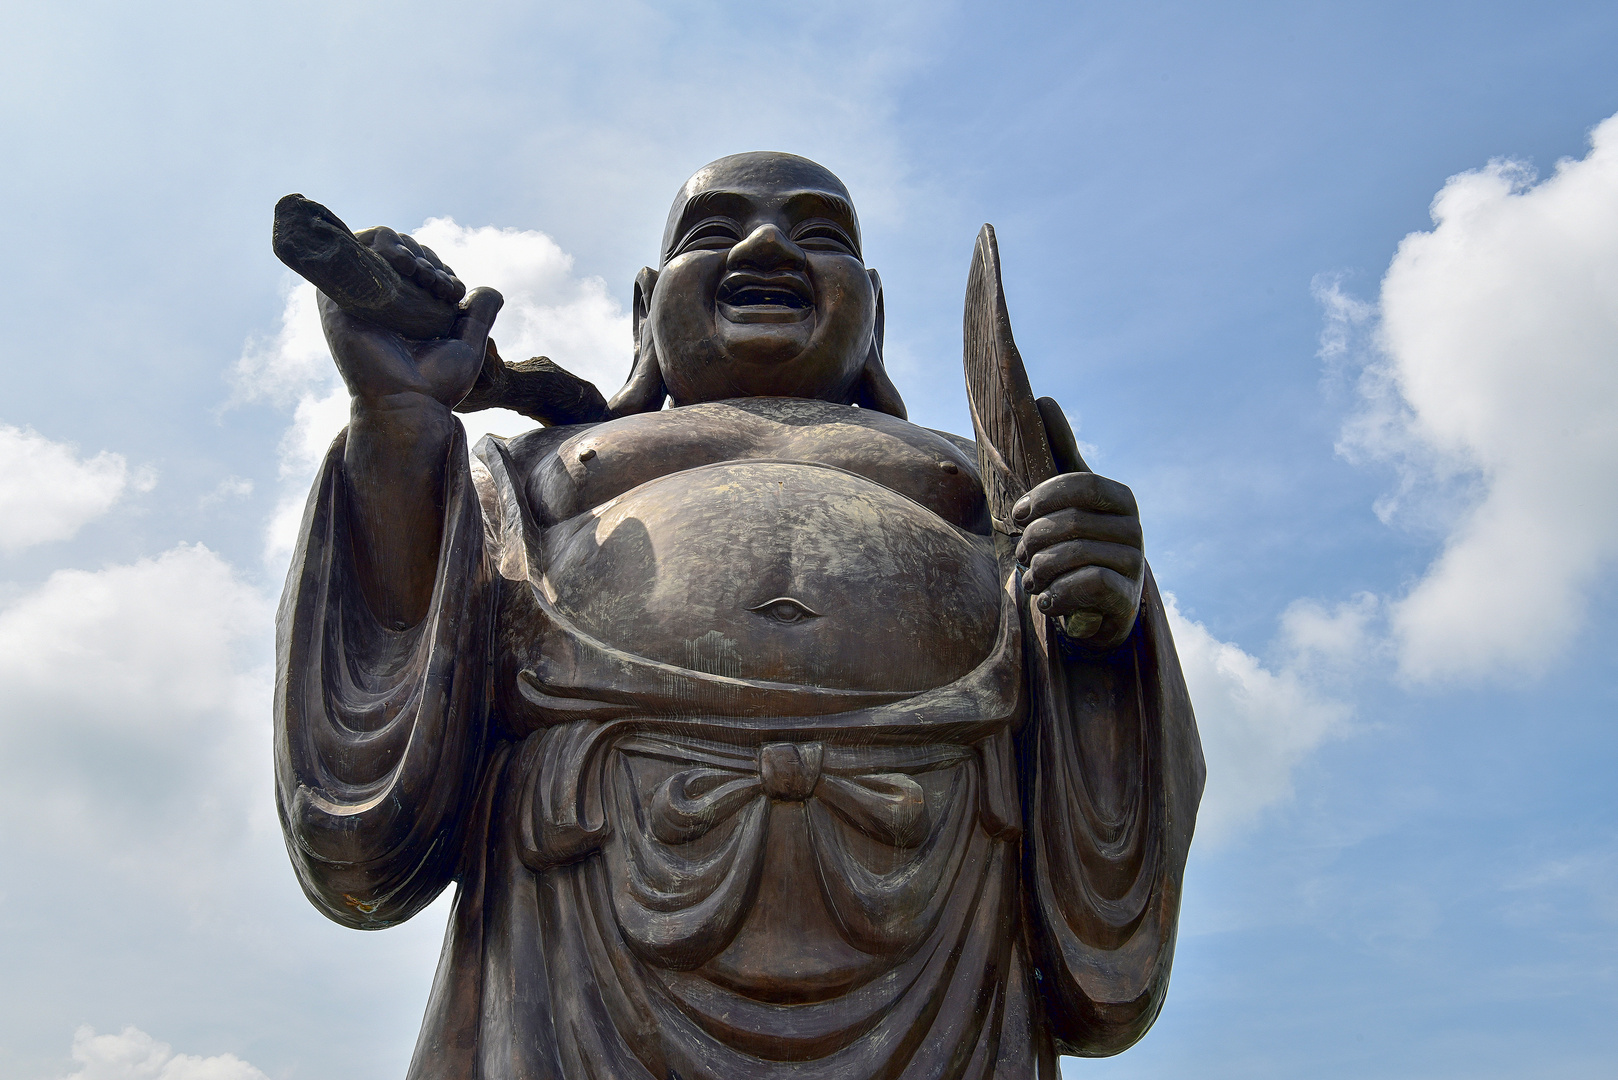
(134, 1055)
(575, 321)
(1257, 725)
(134, 710)
(283, 368)
(48, 492)
(146, 876)
(548, 312)
(1336, 641)
(231, 487)
(1494, 391)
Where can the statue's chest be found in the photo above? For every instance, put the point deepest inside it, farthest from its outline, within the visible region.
(604, 462)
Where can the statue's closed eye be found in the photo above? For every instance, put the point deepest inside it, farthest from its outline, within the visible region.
(823, 236)
(785, 609)
(714, 234)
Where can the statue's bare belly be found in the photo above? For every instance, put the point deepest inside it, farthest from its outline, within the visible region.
(784, 571)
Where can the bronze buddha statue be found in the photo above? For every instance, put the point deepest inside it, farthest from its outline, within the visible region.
(758, 739)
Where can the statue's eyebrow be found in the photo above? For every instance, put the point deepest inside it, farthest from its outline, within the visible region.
(714, 202)
(824, 204)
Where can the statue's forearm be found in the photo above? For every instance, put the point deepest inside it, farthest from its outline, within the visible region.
(394, 466)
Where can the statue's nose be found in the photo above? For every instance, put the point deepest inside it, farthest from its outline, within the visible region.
(767, 249)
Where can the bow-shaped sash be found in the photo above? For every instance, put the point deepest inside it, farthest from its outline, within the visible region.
(690, 845)
(889, 806)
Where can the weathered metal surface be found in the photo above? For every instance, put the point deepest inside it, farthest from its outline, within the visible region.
(752, 747)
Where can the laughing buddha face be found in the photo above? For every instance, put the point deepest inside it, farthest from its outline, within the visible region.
(762, 290)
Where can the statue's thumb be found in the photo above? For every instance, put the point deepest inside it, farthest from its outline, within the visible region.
(477, 315)
(1059, 434)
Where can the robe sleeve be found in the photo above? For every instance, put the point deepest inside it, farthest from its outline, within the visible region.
(379, 733)
(1112, 773)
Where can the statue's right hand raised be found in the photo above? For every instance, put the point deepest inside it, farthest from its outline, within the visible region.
(377, 363)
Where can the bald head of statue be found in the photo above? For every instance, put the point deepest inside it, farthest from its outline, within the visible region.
(761, 290)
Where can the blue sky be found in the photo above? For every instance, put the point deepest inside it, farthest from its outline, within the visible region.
(1372, 436)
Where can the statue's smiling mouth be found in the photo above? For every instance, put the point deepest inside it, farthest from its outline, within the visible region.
(750, 298)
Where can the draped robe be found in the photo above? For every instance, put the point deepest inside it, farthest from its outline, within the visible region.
(992, 867)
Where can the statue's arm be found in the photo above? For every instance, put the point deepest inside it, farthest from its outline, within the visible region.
(1112, 773)
(383, 632)
(1109, 760)
(401, 393)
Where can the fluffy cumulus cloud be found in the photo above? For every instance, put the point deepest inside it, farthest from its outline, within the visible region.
(49, 492)
(1257, 725)
(1493, 389)
(549, 311)
(136, 819)
(134, 702)
(134, 1055)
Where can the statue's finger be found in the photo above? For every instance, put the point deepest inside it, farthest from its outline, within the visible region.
(1070, 524)
(1065, 558)
(1059, 433)
(477, 316)
(378, 237)
(1084, 491)
(438, 285)
(401, 258)
(1095, 588)
(432, 279)
(445, 284)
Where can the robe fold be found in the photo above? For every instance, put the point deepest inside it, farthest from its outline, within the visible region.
(668, 872)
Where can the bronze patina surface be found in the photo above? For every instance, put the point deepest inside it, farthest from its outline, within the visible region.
(765, 735)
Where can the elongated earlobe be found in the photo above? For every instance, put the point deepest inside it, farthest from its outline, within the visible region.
(875, 390)
(644, 392)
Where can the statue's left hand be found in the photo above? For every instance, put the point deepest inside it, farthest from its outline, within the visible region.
(1081, 543)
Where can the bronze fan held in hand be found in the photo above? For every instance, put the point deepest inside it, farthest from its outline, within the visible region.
(768, 735)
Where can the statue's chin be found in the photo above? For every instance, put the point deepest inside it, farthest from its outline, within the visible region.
(804, 358)
(765, 341)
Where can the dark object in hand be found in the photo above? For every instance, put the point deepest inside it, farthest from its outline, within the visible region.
(538, 388)
(316, 244)
(349, 269)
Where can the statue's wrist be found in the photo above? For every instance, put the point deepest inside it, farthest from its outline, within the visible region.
(398, 401)
(407, 410)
